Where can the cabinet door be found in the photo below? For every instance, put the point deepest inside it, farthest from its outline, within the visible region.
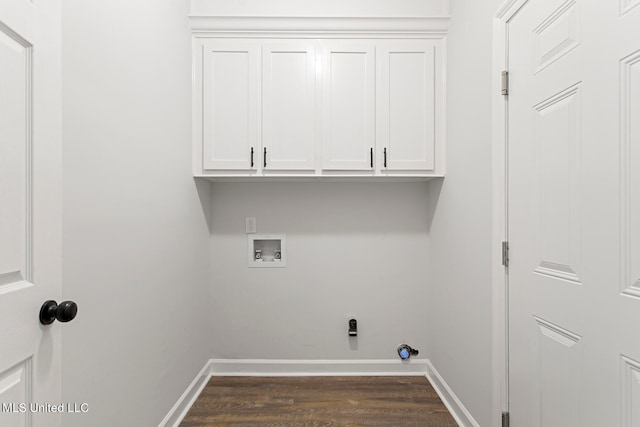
(348, 110)
(406, 116)
(289, 105)
(231, 103)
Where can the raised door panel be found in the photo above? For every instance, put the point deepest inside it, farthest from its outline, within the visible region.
(630, 174)
(231, 104)
(557, 204)
(15, 160)
(348, 110)
(17, 287)
(289, 106)
(630, 379)
(406, 117)
(557, 372)
(16, 395)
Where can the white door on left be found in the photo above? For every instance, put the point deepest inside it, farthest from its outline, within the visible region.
(30, 211)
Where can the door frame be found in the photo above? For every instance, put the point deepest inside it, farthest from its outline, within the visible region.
(500, 224)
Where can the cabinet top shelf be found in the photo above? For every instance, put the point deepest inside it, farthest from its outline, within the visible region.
(257, 26)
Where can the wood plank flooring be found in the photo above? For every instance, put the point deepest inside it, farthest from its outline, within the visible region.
(318, 402)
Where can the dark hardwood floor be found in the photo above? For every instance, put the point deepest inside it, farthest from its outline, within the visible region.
(318, 402)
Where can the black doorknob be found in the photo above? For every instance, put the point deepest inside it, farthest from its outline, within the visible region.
(65, 311)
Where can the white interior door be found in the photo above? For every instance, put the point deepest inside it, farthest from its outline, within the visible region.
(30, 257)
(574, 213)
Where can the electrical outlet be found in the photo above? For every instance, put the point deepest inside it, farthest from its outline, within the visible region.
(250, 225)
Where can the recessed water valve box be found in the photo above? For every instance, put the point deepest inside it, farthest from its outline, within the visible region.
(267, 250)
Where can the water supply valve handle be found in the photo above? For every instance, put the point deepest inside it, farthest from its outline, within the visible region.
(405, 351)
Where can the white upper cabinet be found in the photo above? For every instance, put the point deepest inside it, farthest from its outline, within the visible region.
(318, 97)
(409, 97)
(348, 105)
(231, 104)
(288, 106)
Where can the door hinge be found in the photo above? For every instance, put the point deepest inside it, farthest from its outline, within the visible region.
(505, 83)
(505, 254)
(505, 419)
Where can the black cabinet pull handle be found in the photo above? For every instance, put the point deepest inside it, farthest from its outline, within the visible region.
(385, 157)
(251, 157)
(371, 157)
(264, 158)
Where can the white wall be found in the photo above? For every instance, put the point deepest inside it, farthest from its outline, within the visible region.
(459, 300)
(352, 249)
(135, 237)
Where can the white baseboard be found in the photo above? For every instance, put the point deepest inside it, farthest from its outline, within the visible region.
(290, 368)
(454, 405)
(268, 367)
(184, 403)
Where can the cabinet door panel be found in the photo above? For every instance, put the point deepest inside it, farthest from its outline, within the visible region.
(406, 104)
(231, 103)
(288, 108)
(348, 105)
